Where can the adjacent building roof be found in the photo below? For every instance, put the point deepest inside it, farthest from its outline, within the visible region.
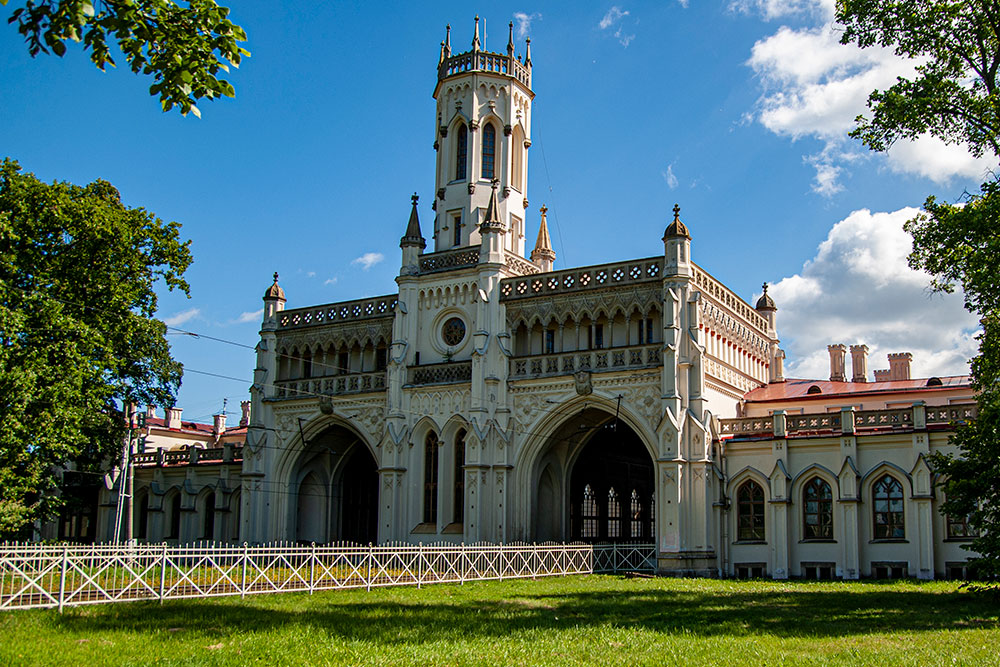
(793, 389)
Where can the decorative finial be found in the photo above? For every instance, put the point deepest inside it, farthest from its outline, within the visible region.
(414, 198)
(527, 52)
(544, 209)
(677, 213)
(510, 37)
(495, 183)
(765, 289)
(275, 277)
(475, 38)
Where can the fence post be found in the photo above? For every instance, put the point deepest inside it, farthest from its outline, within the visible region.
(368, 569)
(163, 570)
(62, 578)
(463, 557)
(500, 560)
(243, 578)
(312, 569)
(614, 557)
(420, 562)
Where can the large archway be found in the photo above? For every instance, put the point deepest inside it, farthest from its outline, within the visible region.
(335, 489)
(594, 482)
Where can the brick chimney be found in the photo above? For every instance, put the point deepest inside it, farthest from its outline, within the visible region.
(899, 365)
(837, 355)
(859, 363)
(219, 426)
(882, 375)
(173, 417)
(245, 419)
(150, 411)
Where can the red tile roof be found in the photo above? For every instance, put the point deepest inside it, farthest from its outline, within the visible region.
(799, 389)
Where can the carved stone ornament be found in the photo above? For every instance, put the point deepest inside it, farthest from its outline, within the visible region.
(507, 130)
(583, 383)
(472, 188)
(525, 202)
(506, 191)
(473, 125)
(441, 194)
(437, 146)
(444, 130)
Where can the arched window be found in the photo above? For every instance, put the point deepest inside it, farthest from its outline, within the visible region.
(430, 478)
(175, 517)
(817, 499)
(614, 514)
(461, 153)
(458, 513)
(636, 513)
(750, 512)
(142, 529)
(208, 517)
(517, 160)
(589, 513)
(887, 512)
(489, 151)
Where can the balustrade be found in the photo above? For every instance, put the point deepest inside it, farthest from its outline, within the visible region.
(567, 363)
(455, 371)
(349, 383)
(380, 306)
(587, 278)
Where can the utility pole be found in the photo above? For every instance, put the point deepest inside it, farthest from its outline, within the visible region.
(126, 479)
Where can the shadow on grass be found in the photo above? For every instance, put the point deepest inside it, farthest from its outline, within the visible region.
(796, 612)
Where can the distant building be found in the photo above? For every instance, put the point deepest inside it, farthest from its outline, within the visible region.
(496, 398)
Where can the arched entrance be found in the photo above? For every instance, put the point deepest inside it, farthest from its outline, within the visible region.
(594, 482)
(335, 482)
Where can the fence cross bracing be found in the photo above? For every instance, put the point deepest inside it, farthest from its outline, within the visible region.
(33, 575)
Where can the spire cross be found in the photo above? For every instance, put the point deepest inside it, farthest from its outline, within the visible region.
(275, 277)
(414, 198)
(765, 288)
(677, 212)
(544, 209)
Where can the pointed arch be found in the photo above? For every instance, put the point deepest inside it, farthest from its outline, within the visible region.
(517, 159)
(489, 152)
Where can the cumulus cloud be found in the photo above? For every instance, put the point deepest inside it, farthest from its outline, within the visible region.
(814, 86)
(523, 23)
(669, 177)
(368, 260)
(180, 318)
(859, 289)
(614, 19)
(250, 316)
(332, 281)
(311, 274)
(775, 9)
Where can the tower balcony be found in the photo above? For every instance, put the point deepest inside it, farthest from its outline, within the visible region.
(485, 61)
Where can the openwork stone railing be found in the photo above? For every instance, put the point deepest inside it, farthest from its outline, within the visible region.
(33, 575)
(380, 306)
(459, 258)
(567, 363)
(353, 383)
(190, 456)
(586, 278)
(918, 416)
(455, 371)
(485, 61)
(713, 288)
(519, 265)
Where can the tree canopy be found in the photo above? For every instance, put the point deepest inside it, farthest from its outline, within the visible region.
(78, 340)
(953, 96)
(183, 46)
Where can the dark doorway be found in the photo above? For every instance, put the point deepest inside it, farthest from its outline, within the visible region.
(611, 488)
(359, 507)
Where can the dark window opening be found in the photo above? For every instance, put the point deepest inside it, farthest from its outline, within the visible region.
(461, 153)
(489, 151)
(818, 510)
(430, 478)
(750, 512)
(550, 341)
(750, 570)
(887, 514)
(458, 514)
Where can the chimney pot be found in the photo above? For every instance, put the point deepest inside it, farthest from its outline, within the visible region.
(174, 417)
(899, 365)
(837, 356)
(859, 363)
(219, 427)
(245, 418)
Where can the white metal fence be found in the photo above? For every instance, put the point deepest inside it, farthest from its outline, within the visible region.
(33, 575)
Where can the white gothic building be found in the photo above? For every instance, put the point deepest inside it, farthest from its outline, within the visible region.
(494, 398)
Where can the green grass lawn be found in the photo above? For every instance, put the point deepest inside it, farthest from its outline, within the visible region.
(567, 620)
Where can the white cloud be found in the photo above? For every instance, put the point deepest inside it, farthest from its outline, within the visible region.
(859, 289)
(330, 281)
(774, 9)
(180, 318)
(613, 18)
(368, 260)
(814, 86)
(250, 316)
(311, 274)
(524, 23)
(669, 177)
(614, 15)
(684, 3)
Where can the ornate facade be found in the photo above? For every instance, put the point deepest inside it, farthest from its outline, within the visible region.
(493, 398)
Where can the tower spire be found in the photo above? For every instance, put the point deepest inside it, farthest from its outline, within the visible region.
(475, 38)
(413, 236)
(510, 39)
(543, 255)
(492, 221)
(447, 40)
(527, 52)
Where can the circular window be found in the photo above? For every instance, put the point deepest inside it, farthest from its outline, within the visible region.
(453, 331)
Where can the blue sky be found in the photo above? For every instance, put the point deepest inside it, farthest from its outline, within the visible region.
(737, 111)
